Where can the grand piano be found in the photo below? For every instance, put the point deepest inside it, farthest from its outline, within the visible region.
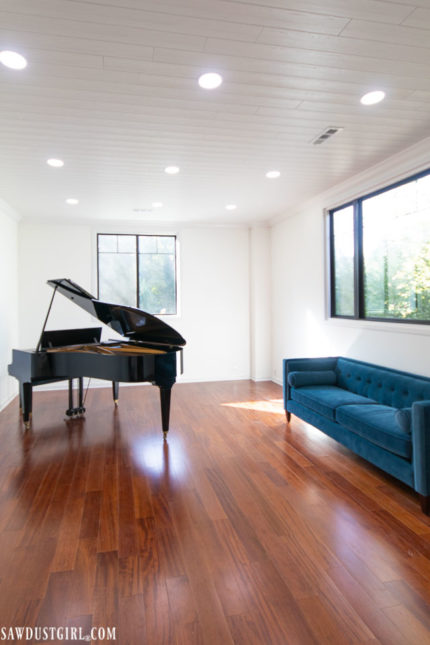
(147, 353)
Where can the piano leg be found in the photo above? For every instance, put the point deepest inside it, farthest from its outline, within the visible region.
(165, 408)
(81, 395)
(115, 391)
(21, 395)
(25, 402)
(70, 412)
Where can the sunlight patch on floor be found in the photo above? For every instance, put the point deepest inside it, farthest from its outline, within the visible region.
(272, 405)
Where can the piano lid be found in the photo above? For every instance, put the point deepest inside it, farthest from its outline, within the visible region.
(128, 321)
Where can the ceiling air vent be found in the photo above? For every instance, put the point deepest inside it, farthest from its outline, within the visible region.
(328, 132)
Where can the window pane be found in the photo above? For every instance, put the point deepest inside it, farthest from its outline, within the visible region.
(147, 244)
(126, 244)
(117, 278)
(157, 294)
(165, 244)
(396, 250)
(108, 243)
(343, 248)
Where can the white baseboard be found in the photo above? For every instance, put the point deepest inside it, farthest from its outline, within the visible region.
(96, 383)
(91, 383)
(7, 401)
(260, 379)
(210, 379)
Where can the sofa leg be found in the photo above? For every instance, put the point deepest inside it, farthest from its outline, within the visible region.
(288, 415)
(425, 503)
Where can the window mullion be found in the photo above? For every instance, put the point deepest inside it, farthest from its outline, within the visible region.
(359, 308)
(332, 267)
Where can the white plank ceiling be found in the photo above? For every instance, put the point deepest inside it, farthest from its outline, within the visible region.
(111, 88)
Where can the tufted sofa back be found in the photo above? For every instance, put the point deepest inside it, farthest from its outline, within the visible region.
(387, 386)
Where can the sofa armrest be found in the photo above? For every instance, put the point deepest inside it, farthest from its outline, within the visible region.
(304, 365)
(421, 446)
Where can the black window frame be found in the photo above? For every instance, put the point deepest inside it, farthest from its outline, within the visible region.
(136, 236)
(359, 304)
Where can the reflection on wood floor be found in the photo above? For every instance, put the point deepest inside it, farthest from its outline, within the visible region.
(237, 529)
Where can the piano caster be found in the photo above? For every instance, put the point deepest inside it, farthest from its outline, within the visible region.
(116, 403)
(164, 435)
(75, 412)
(27, 423)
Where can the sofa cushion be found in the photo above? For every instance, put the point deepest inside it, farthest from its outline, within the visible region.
(312, 377)
(404, 419)
(376, 423)
(326, 398)
(389, 387)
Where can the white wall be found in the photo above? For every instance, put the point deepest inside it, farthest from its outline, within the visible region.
(215, 303)
(260, 303)
(213, 289)
(300, 326)
(8, 299)
(49, 251)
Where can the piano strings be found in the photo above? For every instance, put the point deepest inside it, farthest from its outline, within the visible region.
(120, 348)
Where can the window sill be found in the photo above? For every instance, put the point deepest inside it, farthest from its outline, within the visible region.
(386, 327)
(167, 317)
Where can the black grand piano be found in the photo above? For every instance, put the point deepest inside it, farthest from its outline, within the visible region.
(147, 353)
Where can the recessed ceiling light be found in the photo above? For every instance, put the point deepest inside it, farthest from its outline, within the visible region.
(55, 163)
(231, 207)
(210, 81)
(13, 60)
(273, 174)
(157, 204)
(172, 170)
(72, 201)
(372, 97)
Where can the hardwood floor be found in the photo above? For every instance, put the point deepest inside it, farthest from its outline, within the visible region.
(237, 529)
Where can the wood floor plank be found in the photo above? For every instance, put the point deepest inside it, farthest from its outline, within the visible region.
(364, 602)
(157, 616)
(408, 624)
(108, 536)
(280, 613)
(182, 605)
(412, 599)
(105, 602)
(96, 468)
(236, 530)
(197, 569)
(249, 628)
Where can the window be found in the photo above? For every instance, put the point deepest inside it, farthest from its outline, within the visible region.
(380, 254)
(343, 249)
(138, 270)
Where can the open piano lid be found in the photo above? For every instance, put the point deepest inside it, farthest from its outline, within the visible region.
(133, 323)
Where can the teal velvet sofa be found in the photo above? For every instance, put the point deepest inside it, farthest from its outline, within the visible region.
(379, 413)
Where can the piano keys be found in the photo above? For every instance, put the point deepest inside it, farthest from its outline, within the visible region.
(147, 353)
